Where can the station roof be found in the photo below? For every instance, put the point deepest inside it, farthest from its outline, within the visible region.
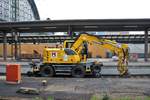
(136, 39)
(34, 9)
(76, 25)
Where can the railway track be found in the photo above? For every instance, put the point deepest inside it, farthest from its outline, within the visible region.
(106, 71)
(136, 69)
(3, 77)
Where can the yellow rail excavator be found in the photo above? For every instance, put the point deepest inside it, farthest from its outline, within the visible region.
(72, 58)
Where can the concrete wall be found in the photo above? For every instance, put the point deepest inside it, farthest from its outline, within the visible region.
(95, 51)
(27, 48)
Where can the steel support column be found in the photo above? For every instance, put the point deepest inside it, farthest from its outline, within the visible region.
(69, 30)
(12, 46)
(146, 46)
(16, 45)
(5, 46)
(19, 43)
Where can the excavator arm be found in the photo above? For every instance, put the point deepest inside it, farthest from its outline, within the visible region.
(121, 50)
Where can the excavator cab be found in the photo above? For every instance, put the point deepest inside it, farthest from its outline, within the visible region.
(84, 48)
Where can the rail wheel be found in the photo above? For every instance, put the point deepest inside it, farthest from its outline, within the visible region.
(97, 71)
(78, 72)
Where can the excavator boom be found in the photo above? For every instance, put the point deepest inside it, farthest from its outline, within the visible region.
(121, 50)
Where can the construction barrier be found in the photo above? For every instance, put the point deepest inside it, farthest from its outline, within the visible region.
(13, 73)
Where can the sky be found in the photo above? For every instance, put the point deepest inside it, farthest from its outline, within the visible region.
(93, 9)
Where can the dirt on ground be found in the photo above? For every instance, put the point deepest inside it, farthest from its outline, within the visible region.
(68, 88)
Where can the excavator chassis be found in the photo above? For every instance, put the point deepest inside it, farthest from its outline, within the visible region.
(76, 70)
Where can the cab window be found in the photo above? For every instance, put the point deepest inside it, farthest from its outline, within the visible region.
(69, 52)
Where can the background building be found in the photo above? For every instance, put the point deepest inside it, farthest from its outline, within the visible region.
(18, 10)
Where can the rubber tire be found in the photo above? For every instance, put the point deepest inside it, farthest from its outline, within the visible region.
(81, 74)
(97, 71)
(47, 71)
